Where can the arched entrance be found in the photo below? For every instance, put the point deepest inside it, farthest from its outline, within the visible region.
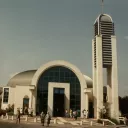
(58, 74)
(67, 65)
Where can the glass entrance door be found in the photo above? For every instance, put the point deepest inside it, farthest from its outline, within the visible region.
(58, 102)
(91, 110)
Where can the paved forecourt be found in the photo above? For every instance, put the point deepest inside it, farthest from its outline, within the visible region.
(5, 124)
(55, 122)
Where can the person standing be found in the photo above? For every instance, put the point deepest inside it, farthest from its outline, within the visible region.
(66, 113)
(75, 115)
(18, 116)
(84, 113)
(32, 112)
(48, 118)
(21, 111)
(71, 113)
(125, 120)
(26, 110)
(87, 114)
(42, 116)
(29, 111)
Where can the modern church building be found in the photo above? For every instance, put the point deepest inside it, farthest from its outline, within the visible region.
(60, 85)
(56, 86)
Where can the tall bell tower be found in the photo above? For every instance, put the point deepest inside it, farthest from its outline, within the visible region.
(104, 53)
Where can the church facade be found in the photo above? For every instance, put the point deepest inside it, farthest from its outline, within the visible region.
(55, 86)
(60, 85)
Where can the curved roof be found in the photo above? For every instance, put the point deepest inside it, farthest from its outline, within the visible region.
(62, 63)
(23, 78)
(104, 17)
(88, 81)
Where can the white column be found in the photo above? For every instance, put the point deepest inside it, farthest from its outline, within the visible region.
(99, 74)
(115, 100)
(86, 101)
(109, 89)
(50, 100)
(34, 101)
(94, 81)
(109, 84)
(83, 103)
(67, 97)
(30, 99)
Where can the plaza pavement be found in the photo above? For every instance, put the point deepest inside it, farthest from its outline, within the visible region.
(12, 124)
(59, 122)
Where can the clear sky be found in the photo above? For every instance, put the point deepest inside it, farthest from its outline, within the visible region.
(33, 32)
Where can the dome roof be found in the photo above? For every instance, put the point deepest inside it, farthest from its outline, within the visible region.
(23, 78)
(104, 17)
(88, 81)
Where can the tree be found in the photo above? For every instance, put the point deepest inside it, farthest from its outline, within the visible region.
(0, 96)
(123, 104)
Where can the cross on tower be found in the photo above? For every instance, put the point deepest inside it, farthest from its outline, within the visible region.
(102, 5)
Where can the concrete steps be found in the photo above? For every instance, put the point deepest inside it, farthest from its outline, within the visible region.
(57, 120)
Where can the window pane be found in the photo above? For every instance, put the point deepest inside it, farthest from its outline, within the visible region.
(56, 90)
(72, 102)
(61, 91)
(78, 97)
(72, 97)
(6, 94)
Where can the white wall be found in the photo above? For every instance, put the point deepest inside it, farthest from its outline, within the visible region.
(16, 95)
(20, 92)
(11, 95)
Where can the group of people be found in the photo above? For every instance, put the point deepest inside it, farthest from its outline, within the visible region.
(71, 114)
(74, 114)
(26, 111)
(45, 117)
